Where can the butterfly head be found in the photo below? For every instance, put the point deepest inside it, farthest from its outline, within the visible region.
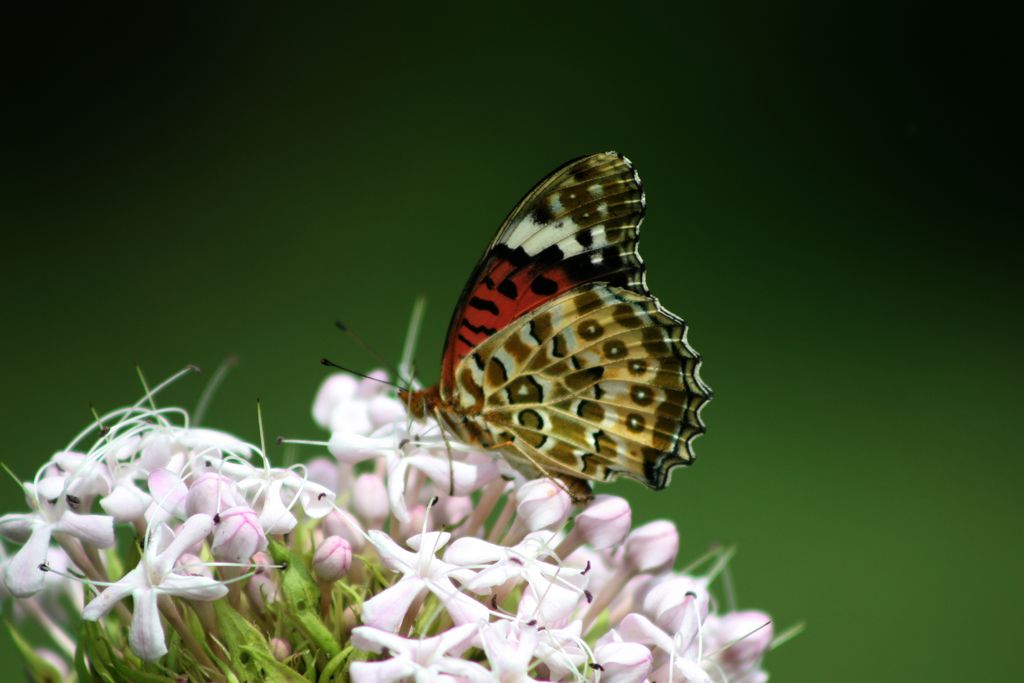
(420, 403)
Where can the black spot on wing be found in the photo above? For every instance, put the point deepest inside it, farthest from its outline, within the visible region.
(508, 289)
(479, 329)
(543, 286)
(517, 257)
(549, 256)
(542, 214)
(482, 304)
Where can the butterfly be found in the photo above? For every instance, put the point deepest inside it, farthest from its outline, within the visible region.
(557, 354)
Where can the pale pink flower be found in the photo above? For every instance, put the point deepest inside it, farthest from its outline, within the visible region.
(421, 571)
(22, 575)
(419, 659)
(152, 577)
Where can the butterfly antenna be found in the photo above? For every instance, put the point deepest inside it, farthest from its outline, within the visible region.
(331, 364)
(369, 349)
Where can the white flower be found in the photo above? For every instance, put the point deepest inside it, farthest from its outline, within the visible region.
(153, 577)
(421, 571)
(22, 575)
(510, 647)
(553, 591)
(420, 659)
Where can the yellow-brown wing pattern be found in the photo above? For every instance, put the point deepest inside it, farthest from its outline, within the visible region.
(599, 382)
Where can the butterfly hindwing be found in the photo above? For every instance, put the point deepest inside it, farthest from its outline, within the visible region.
(578, 225)
(596, 383)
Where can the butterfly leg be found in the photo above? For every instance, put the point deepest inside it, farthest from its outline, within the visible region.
(448, 448)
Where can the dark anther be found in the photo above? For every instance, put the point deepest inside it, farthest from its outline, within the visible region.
(402, 443)
(279, 440)
(589, 596)
(516, 560)
(73, 501)
(43, 567)
(596, 666)
(433, 502)
(691, 594)
(209, 464)
(321, 496)
(542, 628)
(586, 569)
(104, 430)
(52, 501)
(284, 565)
(216, 518)
(531, 622)
(494, 602)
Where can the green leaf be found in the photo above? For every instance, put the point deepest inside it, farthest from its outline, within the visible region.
(250, 653)
(40, 669)
(335, 670)
(106, 664)
(301, 597)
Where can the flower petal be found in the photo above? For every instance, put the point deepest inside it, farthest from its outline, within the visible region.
(194, 530)
(193, 587)
(462, 608)
(275, 518)
(373, 639)
(22, 576)
(111, 595)
(387, 671)
(387, 609)
(127, 502)
(147, 633)
(97, 530)
(18, 527)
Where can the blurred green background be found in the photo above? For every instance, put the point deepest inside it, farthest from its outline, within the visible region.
(834, 206)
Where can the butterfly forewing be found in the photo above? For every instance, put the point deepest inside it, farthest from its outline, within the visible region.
(579, 225)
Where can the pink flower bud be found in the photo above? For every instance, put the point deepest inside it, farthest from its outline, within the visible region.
(262, 591)
(332, 558)
(653, 546)
(368, 388)
(677, 603)
(281, 648)
(335, 389)
(370, 499)
(454, 509)
(193, 565)
(605, 522)
(623, 662)
(211, 493)
(542, 504)
(238, 535)
(350, 417)
(747, 634)
(324, 472)
(384, 410)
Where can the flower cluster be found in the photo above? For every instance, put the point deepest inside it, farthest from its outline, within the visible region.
(160, 551)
